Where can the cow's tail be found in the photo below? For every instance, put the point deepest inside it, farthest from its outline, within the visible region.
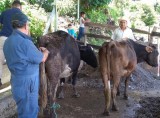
(43, 87)
(108, 58)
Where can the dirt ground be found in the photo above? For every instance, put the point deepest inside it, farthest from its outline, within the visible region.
(143, 102)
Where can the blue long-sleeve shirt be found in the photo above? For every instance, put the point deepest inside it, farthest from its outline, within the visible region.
(21, 54)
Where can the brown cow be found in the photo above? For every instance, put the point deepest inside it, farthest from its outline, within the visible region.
(119, 59)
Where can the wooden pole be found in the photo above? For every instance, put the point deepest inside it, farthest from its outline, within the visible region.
(51, 17)
(78, 9)
(85, 35)
(56, 16)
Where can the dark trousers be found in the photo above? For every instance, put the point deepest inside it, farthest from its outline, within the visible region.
(81, 33)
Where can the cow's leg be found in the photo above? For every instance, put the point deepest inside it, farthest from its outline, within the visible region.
(116, 81)
(74, 80)
(104, 73)
(52, 99)
(60, 91)
(51, 91)
(53, 82)
(126, 88)
(107, 93)
(118, 91)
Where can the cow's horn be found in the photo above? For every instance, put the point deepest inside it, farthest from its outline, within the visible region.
(149, 49)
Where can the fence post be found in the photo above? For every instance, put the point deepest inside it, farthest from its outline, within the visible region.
(151, 37)
(85, 36)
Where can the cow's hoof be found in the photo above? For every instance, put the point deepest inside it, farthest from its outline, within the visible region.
(106, 113)
(60, 97)
(114, 108)
(76, 95)
(125, 97)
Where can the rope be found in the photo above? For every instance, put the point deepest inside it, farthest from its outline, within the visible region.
(54, 107)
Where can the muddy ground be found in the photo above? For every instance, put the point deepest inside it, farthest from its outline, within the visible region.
(143, 102)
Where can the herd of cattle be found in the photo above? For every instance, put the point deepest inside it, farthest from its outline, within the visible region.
(117, 59)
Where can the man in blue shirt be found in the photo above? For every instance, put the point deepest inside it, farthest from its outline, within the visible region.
(5, 21)
(23, 59)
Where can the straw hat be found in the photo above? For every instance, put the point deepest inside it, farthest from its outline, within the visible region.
(123, 19)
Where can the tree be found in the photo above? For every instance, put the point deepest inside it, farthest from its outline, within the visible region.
(5, 4)
(148, 16)
(87, 5)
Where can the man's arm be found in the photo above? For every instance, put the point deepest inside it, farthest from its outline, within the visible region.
(131, 35)
(113, 37)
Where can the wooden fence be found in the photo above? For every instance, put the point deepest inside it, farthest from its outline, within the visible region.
(91, 28)
(100, 31)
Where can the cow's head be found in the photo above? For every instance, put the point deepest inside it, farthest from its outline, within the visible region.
(152, 56)
(87, 55)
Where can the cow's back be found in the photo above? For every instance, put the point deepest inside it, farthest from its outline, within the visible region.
(120, 58)
(64, 52)
(124, 53)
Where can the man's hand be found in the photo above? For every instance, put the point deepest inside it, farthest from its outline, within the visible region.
(45, 53)
(42, 49)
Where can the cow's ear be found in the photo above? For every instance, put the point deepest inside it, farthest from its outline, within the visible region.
(149, 49)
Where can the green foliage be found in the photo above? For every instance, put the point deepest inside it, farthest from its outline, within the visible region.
(157, 7)
(100, 16)
(87, 5)
(32, 1)
(121, 6)
(148, 16)
(64, 7)
(5, 4)
(69, 8)
(48, 5)
(94, 41)
(114, 13)
(38, 19)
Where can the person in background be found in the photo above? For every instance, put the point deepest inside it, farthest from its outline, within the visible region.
(71, 31)
(23, 59)
(5, 21)
(123, 31)
(82, 25)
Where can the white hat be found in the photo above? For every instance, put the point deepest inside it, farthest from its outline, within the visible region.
(123, 18)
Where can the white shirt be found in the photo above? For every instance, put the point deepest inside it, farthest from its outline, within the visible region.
(81, 22)
(119, 34)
